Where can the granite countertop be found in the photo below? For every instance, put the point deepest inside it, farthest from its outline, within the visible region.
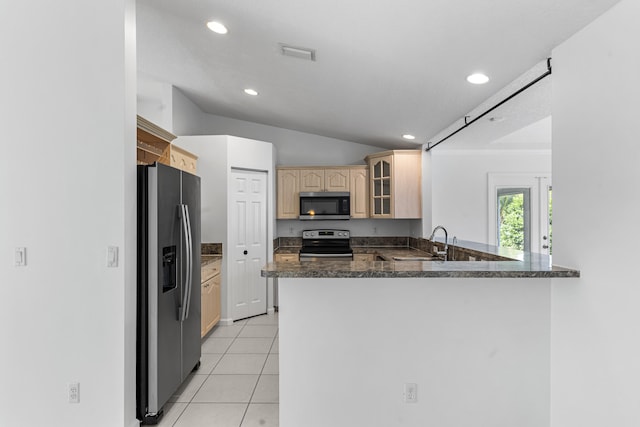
(522, 265)
(206, 259)
(388, 252)
(288, 250)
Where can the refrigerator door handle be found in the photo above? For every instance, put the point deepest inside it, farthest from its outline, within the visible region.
(190, 262)
(185, 284)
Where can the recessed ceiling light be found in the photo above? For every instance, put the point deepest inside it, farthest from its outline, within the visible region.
(217, 27)
(408, 136)
(251, 92)
(477, 79)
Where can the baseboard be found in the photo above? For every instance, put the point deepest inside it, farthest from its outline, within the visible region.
(270, 310)
(226, 322)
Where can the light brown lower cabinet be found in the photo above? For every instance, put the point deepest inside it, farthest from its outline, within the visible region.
(364, 257)
(286, 258)
(210, 297)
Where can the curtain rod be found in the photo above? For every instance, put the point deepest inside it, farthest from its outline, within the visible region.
(466, 124)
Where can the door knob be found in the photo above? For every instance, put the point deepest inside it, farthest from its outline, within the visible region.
(245, 252)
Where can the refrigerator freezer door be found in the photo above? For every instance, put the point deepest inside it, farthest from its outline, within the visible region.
(164, 292)
(191, 341)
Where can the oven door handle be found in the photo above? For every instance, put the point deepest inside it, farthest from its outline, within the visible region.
(309, 255)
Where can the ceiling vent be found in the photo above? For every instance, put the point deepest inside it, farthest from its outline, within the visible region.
(298, 52)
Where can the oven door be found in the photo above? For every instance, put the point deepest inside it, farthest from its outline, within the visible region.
(306, 257)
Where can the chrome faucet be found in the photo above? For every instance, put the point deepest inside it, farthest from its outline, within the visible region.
(446, 239)
(453, 248)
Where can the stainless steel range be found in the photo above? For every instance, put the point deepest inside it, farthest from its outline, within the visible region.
(326, 245)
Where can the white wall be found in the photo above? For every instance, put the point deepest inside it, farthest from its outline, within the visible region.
(155, 101)
(67, 185)
(217, 156)
(478, 350)
(459, 186)
(595, 346)
(294, 148)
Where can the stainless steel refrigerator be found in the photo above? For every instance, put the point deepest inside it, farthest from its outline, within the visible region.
(168, 277)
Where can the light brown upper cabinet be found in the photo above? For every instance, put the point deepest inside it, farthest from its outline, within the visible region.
(154, 145)
(324, 179)
(359, 189)
(294, 179)
(336, 179)
(288, 194)
(312, 179)
(395, 184)
(183, 159)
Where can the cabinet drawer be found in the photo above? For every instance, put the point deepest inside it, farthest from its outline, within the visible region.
(210, 270)
(287, 258)
(364, 257)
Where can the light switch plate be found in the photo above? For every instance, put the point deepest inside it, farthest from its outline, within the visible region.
(112, 256)
(20, 257)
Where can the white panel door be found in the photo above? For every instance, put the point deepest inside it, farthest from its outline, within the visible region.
(248, 243)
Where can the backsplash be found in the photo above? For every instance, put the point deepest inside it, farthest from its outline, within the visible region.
(454, 254)
(379, 241)
(211, 248)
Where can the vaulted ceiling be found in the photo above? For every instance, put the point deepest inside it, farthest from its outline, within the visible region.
(383, 68)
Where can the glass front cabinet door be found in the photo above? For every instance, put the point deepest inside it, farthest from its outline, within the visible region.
(381, 186)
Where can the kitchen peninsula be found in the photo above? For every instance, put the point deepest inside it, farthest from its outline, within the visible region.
(473, 260)
(465, 334)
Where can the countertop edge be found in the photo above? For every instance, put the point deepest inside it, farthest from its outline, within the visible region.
(410, 269)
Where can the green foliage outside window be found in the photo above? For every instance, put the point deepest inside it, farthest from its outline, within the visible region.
(512, 221)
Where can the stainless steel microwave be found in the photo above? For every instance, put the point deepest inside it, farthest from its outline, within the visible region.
(325, 205)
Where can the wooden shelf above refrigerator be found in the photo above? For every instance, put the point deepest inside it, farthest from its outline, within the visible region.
(153, 143)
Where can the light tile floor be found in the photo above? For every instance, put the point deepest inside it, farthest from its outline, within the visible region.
(237, 383)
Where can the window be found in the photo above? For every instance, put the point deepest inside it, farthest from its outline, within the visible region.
(514, 218)
(520, 209)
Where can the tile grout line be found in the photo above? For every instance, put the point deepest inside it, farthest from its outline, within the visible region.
(208, 375)
(258, 381)
(246, 323)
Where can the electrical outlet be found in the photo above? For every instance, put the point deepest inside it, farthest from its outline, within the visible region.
(74, 393)
(410, 392)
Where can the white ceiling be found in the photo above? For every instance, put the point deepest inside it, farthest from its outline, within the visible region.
(384, 67)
